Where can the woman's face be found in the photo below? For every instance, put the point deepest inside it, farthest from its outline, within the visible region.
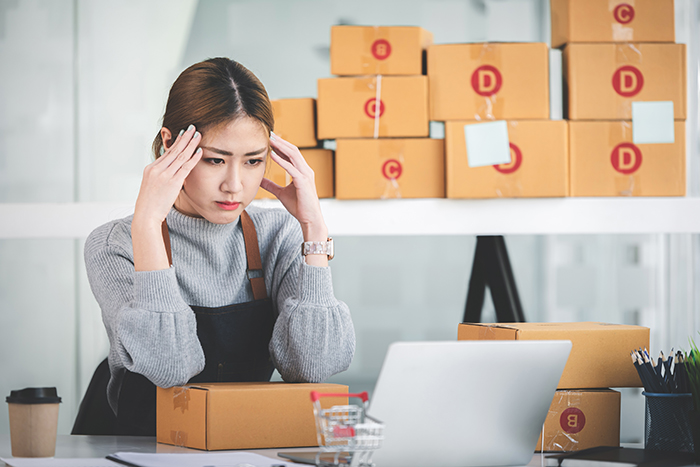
(228, 176)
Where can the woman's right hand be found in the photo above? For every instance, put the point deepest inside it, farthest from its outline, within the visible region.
(160, 187)
(163, 179)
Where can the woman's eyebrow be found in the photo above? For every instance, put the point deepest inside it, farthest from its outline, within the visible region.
(223, 152)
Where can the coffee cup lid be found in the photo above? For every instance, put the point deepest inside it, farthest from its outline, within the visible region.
(33, 396)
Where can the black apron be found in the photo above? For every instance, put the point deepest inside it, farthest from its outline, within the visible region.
(235, 340)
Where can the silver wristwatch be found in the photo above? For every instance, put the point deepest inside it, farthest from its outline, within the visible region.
(318, 248)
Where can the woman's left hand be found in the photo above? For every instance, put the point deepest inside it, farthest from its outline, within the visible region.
(299, 197)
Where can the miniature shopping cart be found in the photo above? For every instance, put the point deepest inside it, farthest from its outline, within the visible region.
(347, 431)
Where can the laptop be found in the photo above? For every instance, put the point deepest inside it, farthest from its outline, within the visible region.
(464, 403)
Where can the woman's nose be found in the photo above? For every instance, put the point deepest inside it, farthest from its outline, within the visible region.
(232, 182)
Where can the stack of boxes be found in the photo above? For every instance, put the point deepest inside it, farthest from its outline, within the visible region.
(295, 121)
(584, 413)
(626, 83)
(509, 82)
(377, 111)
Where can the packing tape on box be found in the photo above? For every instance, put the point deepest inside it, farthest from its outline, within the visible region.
(512, 186)
(563, 440)
(181, 398)
(487, 56)
(391, 154)
(626, 54)
(178, 438)
(377, 43)
(371, 125)
(621, 32)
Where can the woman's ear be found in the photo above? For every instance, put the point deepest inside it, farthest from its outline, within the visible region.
(166, 136)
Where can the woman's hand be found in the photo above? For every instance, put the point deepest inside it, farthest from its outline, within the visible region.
(299, 197)
(163, 179)
(160, 187)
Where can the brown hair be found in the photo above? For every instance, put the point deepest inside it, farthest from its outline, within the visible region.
(211, 93)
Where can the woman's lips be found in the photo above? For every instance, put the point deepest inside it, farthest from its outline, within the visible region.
(228, 206)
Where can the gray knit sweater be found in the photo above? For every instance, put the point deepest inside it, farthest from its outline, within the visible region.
(152, 329)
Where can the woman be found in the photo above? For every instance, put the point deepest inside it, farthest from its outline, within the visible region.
(187, 292)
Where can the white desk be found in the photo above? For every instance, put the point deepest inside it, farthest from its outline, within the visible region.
(71, 447)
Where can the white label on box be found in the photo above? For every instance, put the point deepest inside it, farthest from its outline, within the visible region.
(487, 143)
(652, 122)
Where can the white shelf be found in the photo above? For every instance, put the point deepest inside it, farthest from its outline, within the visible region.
(409, 217)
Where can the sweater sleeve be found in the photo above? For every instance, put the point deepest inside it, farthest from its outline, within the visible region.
(314, 337)
(151, 330)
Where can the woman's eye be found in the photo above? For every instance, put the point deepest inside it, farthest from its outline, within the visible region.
(214, 161)
(254, 162)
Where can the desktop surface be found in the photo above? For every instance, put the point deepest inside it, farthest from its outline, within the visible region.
(85, 446)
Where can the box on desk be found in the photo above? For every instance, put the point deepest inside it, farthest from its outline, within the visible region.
(581, 419)
(390, 106)
(600, 353)
(378, 50)
(295, 121)
(320, 160)
(612, 21)
(605, 162)
(489, 81)
(215, 416)
(602, 80)
(539, 162)
(390, 168)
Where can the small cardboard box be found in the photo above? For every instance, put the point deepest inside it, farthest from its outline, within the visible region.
(600, 353)
(378, 50)
(582, 419)
(390, 106)
(390, 168)
(612, 21)
(489, 81)
(605, 162)
(602, 80)
(295, 121)
(539, 152)
(320, 160)
(216, 416)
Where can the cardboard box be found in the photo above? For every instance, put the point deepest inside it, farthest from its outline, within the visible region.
(602, 80)
(605, 162)
(320, 160)
(612, 21)
(582, 419)
(600, 353)
(295, 121)
(489, 81)
(378, 50)
(347, 107)
(539, 168)
(217, 416)
(390, 168)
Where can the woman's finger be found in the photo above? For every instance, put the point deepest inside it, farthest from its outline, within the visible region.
(186, 154)
(289, 151)
(271, 186)
(175, 147)
(286, 165)
(187, 167)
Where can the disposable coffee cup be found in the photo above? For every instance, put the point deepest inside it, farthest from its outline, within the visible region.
(33, 421)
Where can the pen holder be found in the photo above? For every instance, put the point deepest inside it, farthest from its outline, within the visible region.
(667, 422)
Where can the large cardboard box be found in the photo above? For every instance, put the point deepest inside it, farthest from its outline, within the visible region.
(582, 419)
(389, 168)
(378, 50)
(295, 121)
(539, 165)
(602, 80)
(612, 21)
(216, 416)
(489, 81)
(605, 162)
(320, 160)
(389, 106)
(600, 353)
